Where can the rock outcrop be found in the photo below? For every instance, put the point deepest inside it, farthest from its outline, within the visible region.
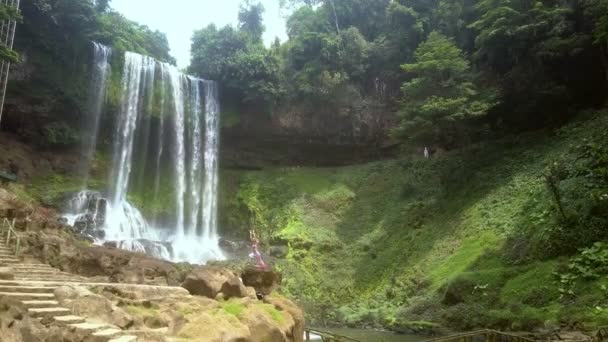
(62, 250)
(211, 281)
(264, 281)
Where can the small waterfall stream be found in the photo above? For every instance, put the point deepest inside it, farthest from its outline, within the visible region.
(164, 157)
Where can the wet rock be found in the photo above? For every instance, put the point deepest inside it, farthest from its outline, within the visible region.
(236, 249)
(92, 207)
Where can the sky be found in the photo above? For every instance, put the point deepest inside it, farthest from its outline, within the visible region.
(179, 18)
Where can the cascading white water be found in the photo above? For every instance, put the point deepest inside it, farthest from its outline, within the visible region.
(212, 140)
(157, 96)
(175, 78)
(100, 75)
(196, 164)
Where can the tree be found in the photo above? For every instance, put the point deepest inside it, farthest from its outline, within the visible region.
(251, 20)
(212, 49)
(9, 13)
(441, 98)
(102, 5)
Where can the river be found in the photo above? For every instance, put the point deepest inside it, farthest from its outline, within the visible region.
(373, 335)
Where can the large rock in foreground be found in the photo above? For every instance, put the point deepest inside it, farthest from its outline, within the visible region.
(61, 249)
(210, 281)
(264, 281)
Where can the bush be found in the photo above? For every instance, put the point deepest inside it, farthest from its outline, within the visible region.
(60, 134)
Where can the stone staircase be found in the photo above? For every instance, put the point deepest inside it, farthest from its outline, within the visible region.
(34, 287)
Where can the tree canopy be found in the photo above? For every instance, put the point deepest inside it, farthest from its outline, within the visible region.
(536, 61)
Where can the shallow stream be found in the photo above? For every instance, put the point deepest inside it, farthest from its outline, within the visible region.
(374, 335)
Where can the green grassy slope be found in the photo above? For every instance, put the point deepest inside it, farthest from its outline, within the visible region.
(467, 239)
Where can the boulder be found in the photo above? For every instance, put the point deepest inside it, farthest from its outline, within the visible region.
(285, 305)
(208, 281)
(262, 327)
(233, 287)
(264, 281)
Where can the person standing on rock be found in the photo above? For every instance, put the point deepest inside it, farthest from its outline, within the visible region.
(255, 253)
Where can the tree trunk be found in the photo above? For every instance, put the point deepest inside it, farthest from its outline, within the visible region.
(333, 6)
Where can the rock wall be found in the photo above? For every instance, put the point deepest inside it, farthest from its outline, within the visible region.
(305, 136)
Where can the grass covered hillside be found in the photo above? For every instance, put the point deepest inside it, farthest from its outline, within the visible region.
(507, 234)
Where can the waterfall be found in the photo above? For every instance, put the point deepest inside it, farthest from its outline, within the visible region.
(176, 79)
(211, 161)
(97, 96)
(166, 134)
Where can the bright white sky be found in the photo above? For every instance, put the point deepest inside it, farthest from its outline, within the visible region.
(179, 18)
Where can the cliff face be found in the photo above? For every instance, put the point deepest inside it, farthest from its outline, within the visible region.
(302, 135)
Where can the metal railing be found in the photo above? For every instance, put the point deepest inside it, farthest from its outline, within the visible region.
(326, 336)
(482, 335)
(11, 234)
(7, 37)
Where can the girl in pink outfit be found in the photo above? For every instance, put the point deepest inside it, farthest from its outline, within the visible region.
(255, 254)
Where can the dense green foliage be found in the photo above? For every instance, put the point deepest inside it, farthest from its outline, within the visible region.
(537, 61)
(468, 239)
(9, 13)
(238, 59)
(55, 38)
(442, 97)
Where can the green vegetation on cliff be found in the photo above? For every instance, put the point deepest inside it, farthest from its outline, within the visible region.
(502, 234)
(451, 66)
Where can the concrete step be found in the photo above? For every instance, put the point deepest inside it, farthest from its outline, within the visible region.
(28, 289)
(36, 272)
(33, 267)
(32, 304)
(83, 331)
(104, 335)
(125, 338)
(67, 320)
(11, 260)
(24, 283)
(28, 296)
(50, 278)
(48, 312)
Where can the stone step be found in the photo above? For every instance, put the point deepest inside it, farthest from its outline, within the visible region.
(36, 272)
(49, 278)
(11, 260)
(87, 326)
(33, 267)
(84, 331)
(67, 320)
(28, 289)
(126, 338)
(24, 283)
(48, 312)
(31, 304)
(104, 335)
(28, 296)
